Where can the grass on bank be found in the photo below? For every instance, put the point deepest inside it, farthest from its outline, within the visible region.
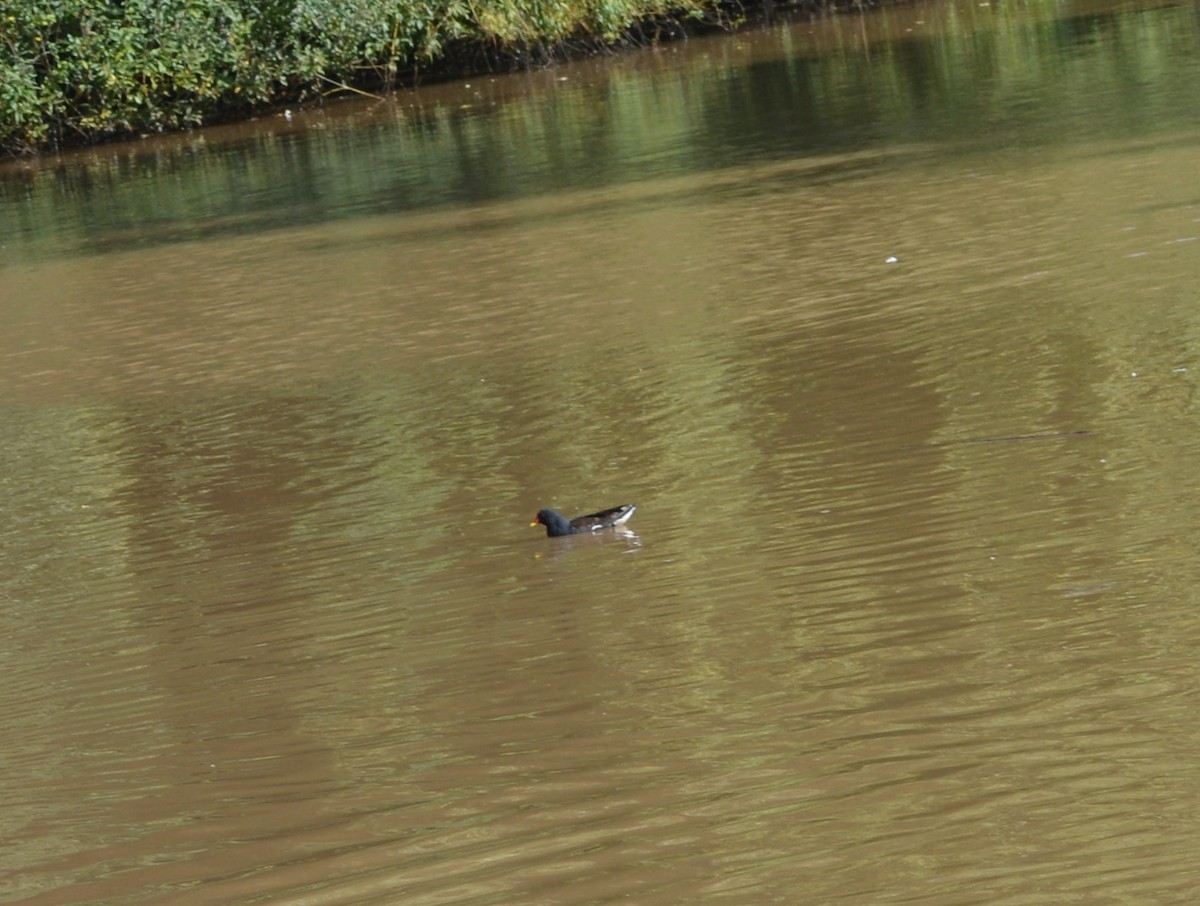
(77, 71)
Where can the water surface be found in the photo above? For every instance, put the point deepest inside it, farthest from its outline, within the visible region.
(886, 324)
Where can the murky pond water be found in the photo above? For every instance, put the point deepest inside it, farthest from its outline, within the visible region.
(888, 325)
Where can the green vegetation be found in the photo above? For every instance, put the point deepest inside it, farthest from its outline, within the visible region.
(81, 70)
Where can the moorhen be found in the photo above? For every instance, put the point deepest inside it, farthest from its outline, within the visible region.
(557, 524)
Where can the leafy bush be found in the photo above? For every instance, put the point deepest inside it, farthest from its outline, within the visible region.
(81, 70)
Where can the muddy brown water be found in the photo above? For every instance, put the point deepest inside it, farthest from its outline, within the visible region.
(888, 325)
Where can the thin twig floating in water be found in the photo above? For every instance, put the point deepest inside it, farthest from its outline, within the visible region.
(1052, 435)
(345, 87)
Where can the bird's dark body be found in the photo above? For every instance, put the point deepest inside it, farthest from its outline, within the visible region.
(558, 525)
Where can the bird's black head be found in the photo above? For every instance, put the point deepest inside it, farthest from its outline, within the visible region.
(556, 523)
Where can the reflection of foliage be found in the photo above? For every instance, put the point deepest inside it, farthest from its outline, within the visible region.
(72, 70)
(1039, 82)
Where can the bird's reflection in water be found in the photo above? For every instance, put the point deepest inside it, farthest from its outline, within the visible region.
(625, 540)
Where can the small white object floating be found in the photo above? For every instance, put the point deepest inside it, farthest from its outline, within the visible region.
(892, 259)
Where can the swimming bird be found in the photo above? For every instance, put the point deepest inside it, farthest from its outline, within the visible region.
(557, 524)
